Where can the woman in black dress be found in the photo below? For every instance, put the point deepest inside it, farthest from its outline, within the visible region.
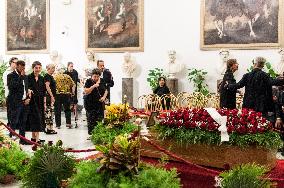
(95, 94)
(161, 90)
(36, 121)
(228, 97)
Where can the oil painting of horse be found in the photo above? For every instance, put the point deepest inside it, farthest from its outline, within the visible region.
(241, 24)
(27, 26)
(114, 25)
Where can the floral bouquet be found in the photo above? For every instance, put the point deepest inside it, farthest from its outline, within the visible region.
(116, 114)
(240, 121)
(195, 126)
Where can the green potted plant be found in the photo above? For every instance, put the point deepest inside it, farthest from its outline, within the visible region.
(153, 77)
(12, 165)
(197, 76)
(49, 166)
(116, 122)
(119, 167)
(246, 175)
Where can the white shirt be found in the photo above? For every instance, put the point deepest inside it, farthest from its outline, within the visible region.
(5, 74)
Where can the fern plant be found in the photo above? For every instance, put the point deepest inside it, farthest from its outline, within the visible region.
(246, 175)
(198, 78)
(153, 77)
(48, 167)
(11, 161)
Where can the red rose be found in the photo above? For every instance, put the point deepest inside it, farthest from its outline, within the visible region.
(203, 126)
(261, 129)
(242, 129)
(230, 129)
(178, 123)
(253, 130)
(192, 125)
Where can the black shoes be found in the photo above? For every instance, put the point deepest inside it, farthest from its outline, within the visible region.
(50, 132)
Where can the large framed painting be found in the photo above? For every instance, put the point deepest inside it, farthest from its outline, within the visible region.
(27, 26)
(241, 24)
(114, 25)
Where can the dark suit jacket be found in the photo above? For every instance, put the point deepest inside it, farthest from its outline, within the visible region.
(16, 89)
(107, 76)
(228, 97)
(108, 79)
(258, 90)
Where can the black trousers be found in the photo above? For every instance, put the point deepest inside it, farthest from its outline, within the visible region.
(8, 112)
(65, 100)
(19, 118)
(93, 117)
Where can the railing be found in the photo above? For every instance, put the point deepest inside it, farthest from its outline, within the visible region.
(197, 100)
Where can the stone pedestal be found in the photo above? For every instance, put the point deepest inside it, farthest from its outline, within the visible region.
(172, 83)
(127, 89)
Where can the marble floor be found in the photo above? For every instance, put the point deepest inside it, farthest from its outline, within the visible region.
(75, 138)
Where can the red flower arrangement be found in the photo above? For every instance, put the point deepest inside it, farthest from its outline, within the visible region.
(242, 122)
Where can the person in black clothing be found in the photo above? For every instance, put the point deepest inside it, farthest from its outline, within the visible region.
(36, 119)
(95, 94)
(278, 97)
(161, 90)
(13, 66)
(228, 97)
(258, 89)
(18, 99)
(75, 77)
(107, 76)
(50, 86)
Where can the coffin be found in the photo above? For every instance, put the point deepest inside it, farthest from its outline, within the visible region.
(222, 156)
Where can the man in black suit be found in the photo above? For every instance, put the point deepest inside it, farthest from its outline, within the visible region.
(18, 98)
(107, 77)
(258, 89)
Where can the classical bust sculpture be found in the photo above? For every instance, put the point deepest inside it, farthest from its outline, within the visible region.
(91, 63)
(173, 67)
(128, 66)
(54, 56)
(224, 56)
(280, 66)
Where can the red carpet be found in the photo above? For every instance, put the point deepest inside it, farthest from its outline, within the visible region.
(193, 177)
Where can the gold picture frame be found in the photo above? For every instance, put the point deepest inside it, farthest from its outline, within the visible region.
(241, 30)
(114, 26)
(27, 27)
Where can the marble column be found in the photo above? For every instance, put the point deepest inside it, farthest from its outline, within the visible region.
(172, 83)
(127, 89)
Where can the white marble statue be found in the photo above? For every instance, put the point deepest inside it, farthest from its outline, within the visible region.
(173, 67)
(91, 63)
(128, 66)
(27, 60)
(59, 68)
(224, 56)
(280, 66)
(54, 57)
